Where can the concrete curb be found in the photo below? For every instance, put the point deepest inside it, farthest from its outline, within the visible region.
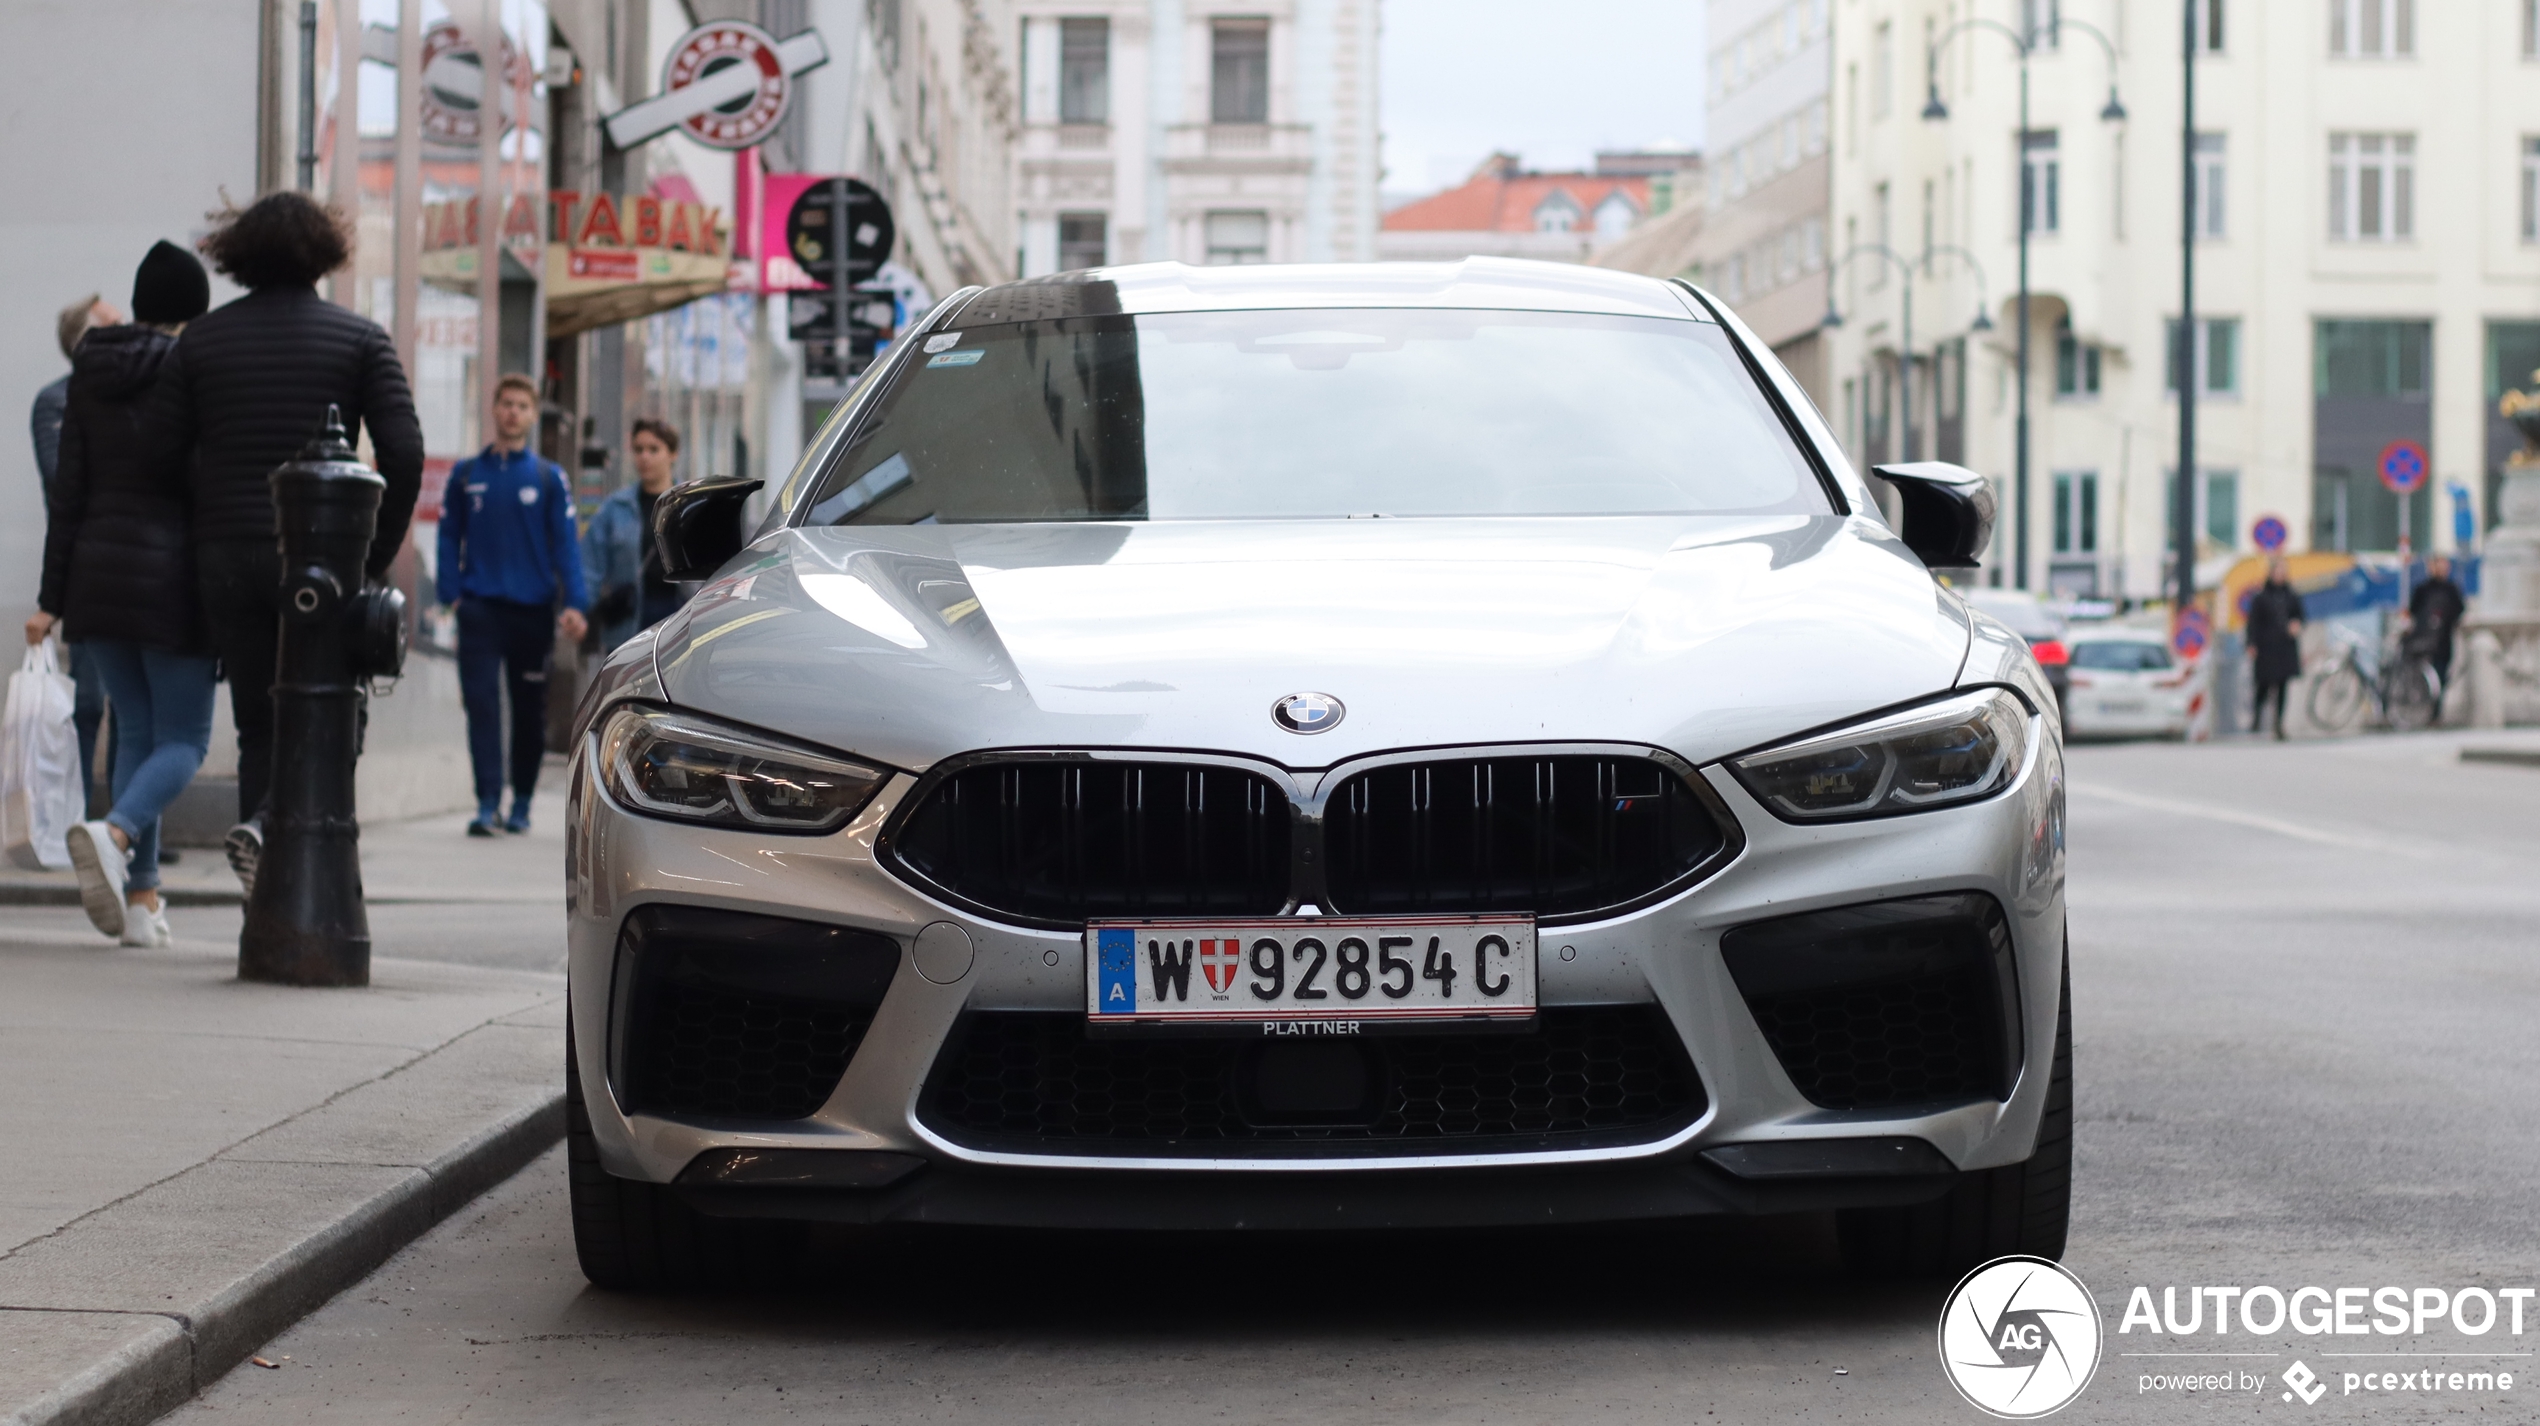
(171, 1355)
(20, 893)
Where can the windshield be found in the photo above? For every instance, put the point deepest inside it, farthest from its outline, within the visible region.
(1318, 413)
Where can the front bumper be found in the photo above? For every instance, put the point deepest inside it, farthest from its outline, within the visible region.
(1758, 1145)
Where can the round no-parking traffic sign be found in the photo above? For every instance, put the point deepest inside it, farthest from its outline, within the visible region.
(2268, 533)
(2189, 634)
(2404, 466)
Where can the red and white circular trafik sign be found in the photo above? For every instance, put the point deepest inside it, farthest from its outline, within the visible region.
(742, 83)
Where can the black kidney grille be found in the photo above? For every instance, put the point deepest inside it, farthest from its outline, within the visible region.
(1034, 1081)
(1551, 835)
(1057, 842)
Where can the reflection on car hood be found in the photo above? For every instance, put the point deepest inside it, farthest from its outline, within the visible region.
(1705, 635)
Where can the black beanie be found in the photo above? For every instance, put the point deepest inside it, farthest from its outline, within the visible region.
(170, 287)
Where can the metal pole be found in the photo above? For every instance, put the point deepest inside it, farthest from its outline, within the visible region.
(1905, 387)
(308, 95)
(2028, 214)
(486, 33)
(404, 326)
(841, 291)
(2183, 505)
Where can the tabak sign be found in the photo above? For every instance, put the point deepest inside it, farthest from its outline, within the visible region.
(595, 225)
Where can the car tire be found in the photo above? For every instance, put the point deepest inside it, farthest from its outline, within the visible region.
(630, 1235)
(2023, 1208)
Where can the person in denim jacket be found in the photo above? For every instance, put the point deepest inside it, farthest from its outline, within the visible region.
(629, 594)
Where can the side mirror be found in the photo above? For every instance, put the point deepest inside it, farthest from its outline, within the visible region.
(697, 527)
(1948, 511)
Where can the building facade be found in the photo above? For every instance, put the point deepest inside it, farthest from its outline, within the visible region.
(2367, 219)
(1200, 131)
(1764, 242)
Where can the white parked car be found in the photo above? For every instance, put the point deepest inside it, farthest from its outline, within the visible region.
(2124, 683)
(1365, 746)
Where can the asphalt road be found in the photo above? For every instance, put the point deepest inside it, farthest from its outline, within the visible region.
(2307, 980)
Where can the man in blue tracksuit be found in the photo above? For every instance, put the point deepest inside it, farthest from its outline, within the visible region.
(509, 555)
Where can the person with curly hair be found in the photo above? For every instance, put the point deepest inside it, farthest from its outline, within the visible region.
(243, 390)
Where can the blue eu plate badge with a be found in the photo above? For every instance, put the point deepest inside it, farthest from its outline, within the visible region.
(1116, 950)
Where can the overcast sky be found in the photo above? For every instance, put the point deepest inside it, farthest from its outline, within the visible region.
(1553, 82)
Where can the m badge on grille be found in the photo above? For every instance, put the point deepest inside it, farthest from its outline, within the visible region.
(1307, 712)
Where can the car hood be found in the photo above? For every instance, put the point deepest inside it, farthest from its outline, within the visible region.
(1703, 635)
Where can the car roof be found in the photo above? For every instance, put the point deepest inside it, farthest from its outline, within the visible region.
(2121, 636)
(1475, 282)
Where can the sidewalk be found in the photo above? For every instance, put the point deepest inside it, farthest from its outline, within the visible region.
(193, 1163)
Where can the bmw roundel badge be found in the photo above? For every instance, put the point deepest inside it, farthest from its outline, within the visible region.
(1307, 712)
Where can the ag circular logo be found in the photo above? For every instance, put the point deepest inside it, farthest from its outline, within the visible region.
(1307, 712)
(2020, 1338)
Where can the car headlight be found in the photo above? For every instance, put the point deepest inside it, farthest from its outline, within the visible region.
(690, 769)
(1937, 755)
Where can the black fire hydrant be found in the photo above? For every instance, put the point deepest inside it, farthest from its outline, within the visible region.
(306, 924)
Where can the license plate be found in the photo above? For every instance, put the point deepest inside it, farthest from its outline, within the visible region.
(1328, 975)
(2122, 705)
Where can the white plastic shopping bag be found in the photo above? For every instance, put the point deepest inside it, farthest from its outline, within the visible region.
(40, 795)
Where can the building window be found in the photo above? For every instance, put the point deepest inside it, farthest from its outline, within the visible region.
(1556, 213)
(1883, 72)
(1852, 108)
(2372, 29)
(2217, 513)
(2076, 365)
(1082, 241)
(2209, 186)
(2222, 507)
(2531, 29)
(2209, 25)
(2531, 185)
(2077, 512)
(2217, 357)
(1235, 238)
(2040, 177)
(1239, 72)
(1084, 71)
(1614, 217)
(2372, 187)
(2379, 360)
(2042, 22)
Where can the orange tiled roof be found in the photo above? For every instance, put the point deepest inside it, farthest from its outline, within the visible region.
(1489, 203)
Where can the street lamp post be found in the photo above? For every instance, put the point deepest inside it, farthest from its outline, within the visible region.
(1934, 111)
(1905, 330)
(2183, 504)
(1905, 319)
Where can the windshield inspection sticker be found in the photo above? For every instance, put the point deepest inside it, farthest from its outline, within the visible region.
(942, 342)
(968, 358)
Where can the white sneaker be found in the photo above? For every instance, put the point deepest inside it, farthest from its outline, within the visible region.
(146, 926)
(100, 864)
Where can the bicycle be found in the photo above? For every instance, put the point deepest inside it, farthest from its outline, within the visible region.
(2401, 685)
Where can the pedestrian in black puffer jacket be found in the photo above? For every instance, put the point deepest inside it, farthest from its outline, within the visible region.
(246, 388)
(118, 576)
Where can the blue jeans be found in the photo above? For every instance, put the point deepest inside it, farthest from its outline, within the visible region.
(163, 726)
